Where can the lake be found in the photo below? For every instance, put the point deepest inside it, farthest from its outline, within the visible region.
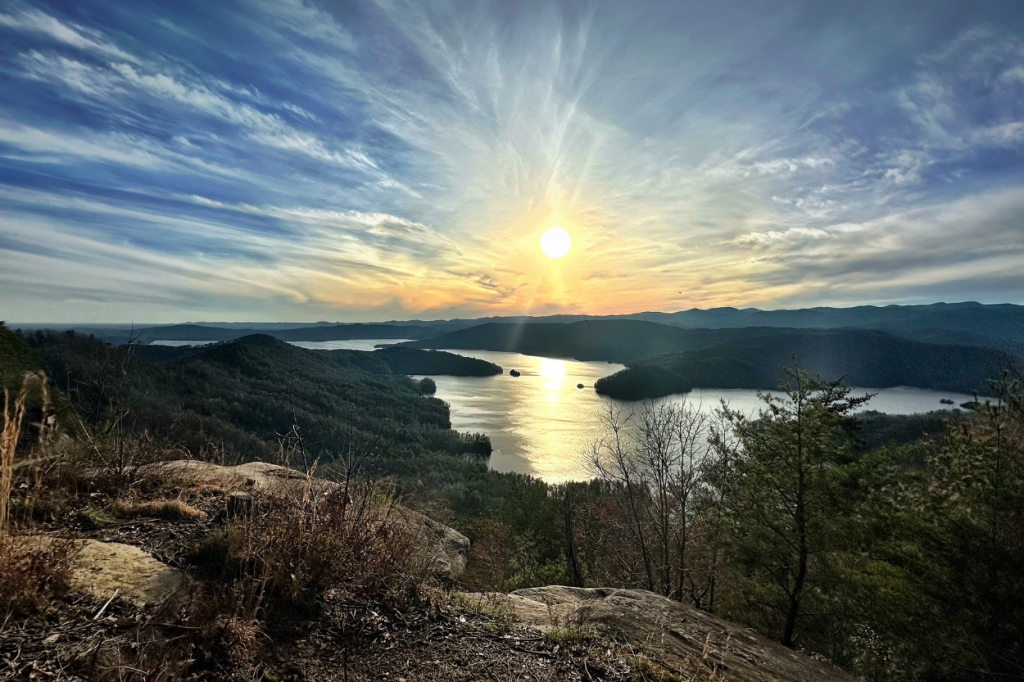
(540, 422)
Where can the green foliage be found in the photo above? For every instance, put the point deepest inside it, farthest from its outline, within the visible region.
(15, 359)
(901, 563)
(783, 488)
(877, 429)
(404, 360)
(243, 394)
(895, 558)
(973, 527)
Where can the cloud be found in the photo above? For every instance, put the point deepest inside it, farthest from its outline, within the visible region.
(35, 21)
(309, 161)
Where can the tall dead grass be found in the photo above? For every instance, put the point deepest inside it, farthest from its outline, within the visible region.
(14, 415)
(32, 572)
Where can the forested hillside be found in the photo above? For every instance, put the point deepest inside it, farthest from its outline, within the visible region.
(609, 340)
(904, 563)
(862, 358)
(244, 395)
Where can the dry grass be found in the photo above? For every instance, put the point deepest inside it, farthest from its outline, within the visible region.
(240, 638)
(32, 573)
(342, 539)
(704, 669)
(169, 510)
(570, 628)
(14, 415)
(490, 604)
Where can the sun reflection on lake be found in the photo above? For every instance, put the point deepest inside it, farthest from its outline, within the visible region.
(553, 371)
(540, 422)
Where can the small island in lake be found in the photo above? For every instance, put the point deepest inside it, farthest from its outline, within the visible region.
(513, 372)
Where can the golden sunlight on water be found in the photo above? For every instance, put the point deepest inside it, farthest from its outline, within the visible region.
(553, 371)
(540, 423)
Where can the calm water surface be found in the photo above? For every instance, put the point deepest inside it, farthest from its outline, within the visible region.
(352, 344)
(540, 422)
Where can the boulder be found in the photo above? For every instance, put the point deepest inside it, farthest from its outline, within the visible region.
(103, 569)
(444, 549)
(261, 476)
(675, 635)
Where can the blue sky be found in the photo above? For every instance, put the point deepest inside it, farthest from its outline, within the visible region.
(291, 160)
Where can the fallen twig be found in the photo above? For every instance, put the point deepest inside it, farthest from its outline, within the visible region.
(104, 608)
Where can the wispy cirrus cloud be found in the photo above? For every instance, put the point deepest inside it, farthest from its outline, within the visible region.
(256, 159)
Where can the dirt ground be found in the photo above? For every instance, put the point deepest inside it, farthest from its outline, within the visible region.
(81, 637)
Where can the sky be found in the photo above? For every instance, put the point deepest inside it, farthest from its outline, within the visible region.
(311, 160)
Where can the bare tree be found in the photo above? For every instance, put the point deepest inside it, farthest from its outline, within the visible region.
(653, 460)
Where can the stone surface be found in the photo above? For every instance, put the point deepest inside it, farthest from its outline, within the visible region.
(445, 550)
(102, 569)
(260, 476)
(677, 636)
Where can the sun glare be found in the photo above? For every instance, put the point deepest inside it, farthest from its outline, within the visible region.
(555, 242)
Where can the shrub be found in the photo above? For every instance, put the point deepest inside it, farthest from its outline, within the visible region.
(342, 539)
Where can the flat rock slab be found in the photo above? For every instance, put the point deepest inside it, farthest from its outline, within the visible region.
(678, 636)
(271, 478)
(102, 569)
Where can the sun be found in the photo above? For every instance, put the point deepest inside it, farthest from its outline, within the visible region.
(555, 242)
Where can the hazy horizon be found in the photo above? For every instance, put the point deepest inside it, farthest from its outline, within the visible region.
(15, 323)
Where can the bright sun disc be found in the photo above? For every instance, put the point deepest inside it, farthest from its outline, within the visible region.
(555, 242)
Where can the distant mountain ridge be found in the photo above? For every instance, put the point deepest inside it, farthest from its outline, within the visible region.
(196, 332)
(999, 326)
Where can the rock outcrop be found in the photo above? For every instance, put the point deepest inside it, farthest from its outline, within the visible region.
(676, 636)
(251, 476)
(444, 549)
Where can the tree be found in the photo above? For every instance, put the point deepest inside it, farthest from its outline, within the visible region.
(972, 507)
(781, 484)
(652, 462)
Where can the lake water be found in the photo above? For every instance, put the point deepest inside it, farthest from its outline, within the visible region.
(352, 344)
(540, 422)
(176, 344)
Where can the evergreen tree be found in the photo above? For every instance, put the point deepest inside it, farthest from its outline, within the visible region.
(781, 480)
